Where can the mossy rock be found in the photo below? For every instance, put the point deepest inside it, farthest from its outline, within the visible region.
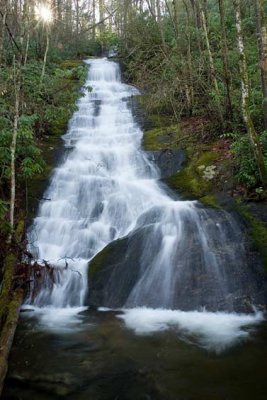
(107, 256)
(256, 229)
(210, 200)
(206, 159)
(68, 64)
(98, 261)
(161, 138)
(160, 120)
(191, 183)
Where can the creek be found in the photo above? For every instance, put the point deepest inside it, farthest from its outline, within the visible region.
(175, 316)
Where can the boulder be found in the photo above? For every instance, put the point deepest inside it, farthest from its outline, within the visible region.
(211, 264)
(169, 161)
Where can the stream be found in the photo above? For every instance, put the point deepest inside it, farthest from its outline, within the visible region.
(175, 317)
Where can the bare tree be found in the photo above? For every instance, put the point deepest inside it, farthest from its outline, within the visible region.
(253, 137)
(262, 46)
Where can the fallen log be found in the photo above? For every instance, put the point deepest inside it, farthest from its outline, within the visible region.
(12, 293)
(8, 332)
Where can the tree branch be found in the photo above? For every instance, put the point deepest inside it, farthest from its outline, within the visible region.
(100, 22)
(10, 33)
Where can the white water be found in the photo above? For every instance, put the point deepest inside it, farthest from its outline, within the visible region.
(99, 193)
(99, 190)
(213, 331)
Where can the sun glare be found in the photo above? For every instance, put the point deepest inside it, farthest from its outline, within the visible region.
(44, 13)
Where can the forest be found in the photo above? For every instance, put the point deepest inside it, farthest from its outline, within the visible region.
(200, 67)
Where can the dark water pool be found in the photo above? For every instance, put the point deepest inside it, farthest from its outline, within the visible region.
(104, 360)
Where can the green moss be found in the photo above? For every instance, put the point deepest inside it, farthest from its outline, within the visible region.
(160, 137)
(190, 181)
(186, 183)
(257, 230)
(259, 234)
(13, 307)
(190, 150)
(108, 256)
(210, 200)
(206, 158)
(20, 230)
(150, 141)
(8, 268)
(68, 64)
(160, 120)
(98, 261)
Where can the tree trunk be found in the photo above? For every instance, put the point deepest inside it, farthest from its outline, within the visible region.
(17, 82)
(10, 302)
(176, 16)
(190, 96)
(101, 15)
(45, 56)
(225, 58)
(262, 45)
(77, 22)
(3, 29)
(8, 332)
(27, 49)
(253, 137)
(160, 25)
(211, 65)
(94, 21)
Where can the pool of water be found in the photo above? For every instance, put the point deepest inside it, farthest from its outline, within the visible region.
(97, 355)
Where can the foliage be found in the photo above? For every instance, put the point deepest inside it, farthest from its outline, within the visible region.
(246, 171)
(44, 109)
(170, 61)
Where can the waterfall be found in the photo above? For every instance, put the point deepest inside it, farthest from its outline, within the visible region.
(102, 186)
(106, 188)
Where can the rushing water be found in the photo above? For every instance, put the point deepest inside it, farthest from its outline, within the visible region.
(104, 189)
(98, 192)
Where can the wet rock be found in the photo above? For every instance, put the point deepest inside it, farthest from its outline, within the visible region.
(259, 210)
(121, 259)
(169, 161)
(60, 384)
(227, 275)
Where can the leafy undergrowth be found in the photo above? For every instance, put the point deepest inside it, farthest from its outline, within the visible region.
(72, 75)
(42, 121)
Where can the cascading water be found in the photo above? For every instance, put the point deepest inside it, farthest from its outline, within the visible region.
(106, 188)
(102, 187)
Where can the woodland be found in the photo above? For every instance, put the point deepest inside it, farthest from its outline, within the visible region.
(201, 67)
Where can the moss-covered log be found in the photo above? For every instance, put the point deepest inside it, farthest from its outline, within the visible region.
(8, 332)
(11, 298)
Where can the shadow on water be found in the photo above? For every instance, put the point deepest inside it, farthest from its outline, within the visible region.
(103, 360)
